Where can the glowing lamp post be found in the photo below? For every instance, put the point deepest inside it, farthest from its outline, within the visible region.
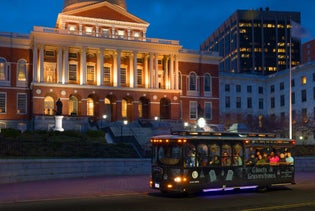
(201, 122)
(125, 122)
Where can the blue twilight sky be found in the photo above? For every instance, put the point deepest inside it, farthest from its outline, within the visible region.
(190, 22)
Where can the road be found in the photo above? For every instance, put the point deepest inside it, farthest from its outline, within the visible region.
(294, 197)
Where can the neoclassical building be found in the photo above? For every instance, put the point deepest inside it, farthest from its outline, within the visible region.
(99, 61)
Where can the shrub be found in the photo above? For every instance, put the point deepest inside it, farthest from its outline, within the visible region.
(10, 132)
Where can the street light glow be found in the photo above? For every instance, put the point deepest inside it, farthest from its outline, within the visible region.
(201, 122)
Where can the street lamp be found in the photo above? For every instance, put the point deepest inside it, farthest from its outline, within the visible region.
(186, 125)
(103, 117)
(201, 122)
(125, 122)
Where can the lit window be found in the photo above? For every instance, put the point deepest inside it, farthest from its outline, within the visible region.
(3, 99)
(124, 106)
(121, 33)
(49, 105)
(136, 34)
(73, 106)
(90, 107)
(21, 70)
(90, 73)
(73, 71)
(3, 69)
(139, 76)
(107, 76)
(89, 30)
(123, 76)
(72, 28)
(105, 32)
(303, 80)
(21, 103)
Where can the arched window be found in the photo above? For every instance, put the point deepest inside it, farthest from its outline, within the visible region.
(3, 70)
(124, 105)
(192, 82)
(73, 106)
(49, 105)
(140, 107)
(207, 83)
(21, 70)
(90, 107)
(108, 109)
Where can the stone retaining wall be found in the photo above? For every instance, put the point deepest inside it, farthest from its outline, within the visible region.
(18, 170)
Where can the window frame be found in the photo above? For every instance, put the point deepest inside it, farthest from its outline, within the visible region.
(21, 109)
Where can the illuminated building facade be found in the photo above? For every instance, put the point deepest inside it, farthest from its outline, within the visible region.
(99, 61)
(255, 42)
(308, 51)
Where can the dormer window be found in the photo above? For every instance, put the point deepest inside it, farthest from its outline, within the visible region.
(105, 32)
(121, 33)
(136, 35)
(72, 28)
(88, 29)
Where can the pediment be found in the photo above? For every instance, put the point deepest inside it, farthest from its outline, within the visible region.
(106, 11)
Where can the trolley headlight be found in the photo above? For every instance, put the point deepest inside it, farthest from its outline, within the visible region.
(180, 179)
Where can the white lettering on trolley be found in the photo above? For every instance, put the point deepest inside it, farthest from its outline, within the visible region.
(261, 173)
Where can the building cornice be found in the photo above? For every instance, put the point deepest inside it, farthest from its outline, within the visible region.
(59, 39)
(105, 88)
(15, 40)
(62, 18)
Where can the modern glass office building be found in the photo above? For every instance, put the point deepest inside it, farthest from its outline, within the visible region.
(256, 42)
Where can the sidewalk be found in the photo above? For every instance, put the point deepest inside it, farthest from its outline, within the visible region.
(91, 187)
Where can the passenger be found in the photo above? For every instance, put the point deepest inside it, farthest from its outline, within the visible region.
(265, 157)
(282, 158)
(226, 160)
(252, 160)
(261, 160)
(215, 161)
(191, 158)
(237, 160)
(289, 159)
(273, 159)
(257, 154)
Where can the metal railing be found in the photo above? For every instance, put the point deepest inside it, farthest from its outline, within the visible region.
(99, 35)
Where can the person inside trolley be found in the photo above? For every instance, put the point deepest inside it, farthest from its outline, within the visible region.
(226, 160)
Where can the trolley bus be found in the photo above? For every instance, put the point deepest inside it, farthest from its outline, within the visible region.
(191, 162)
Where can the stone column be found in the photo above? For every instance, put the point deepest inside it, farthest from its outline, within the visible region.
(176, 73)
(146, 72)
(131, 70)
(83, 66)
(41, 63)
(100, 75)
(118, 69)
(59, 66)
(66, 65)
(166, 73)
(115, 69)
(151, 71)
(35, 63)
(156, 76)
(135, 70)
(172, 72)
